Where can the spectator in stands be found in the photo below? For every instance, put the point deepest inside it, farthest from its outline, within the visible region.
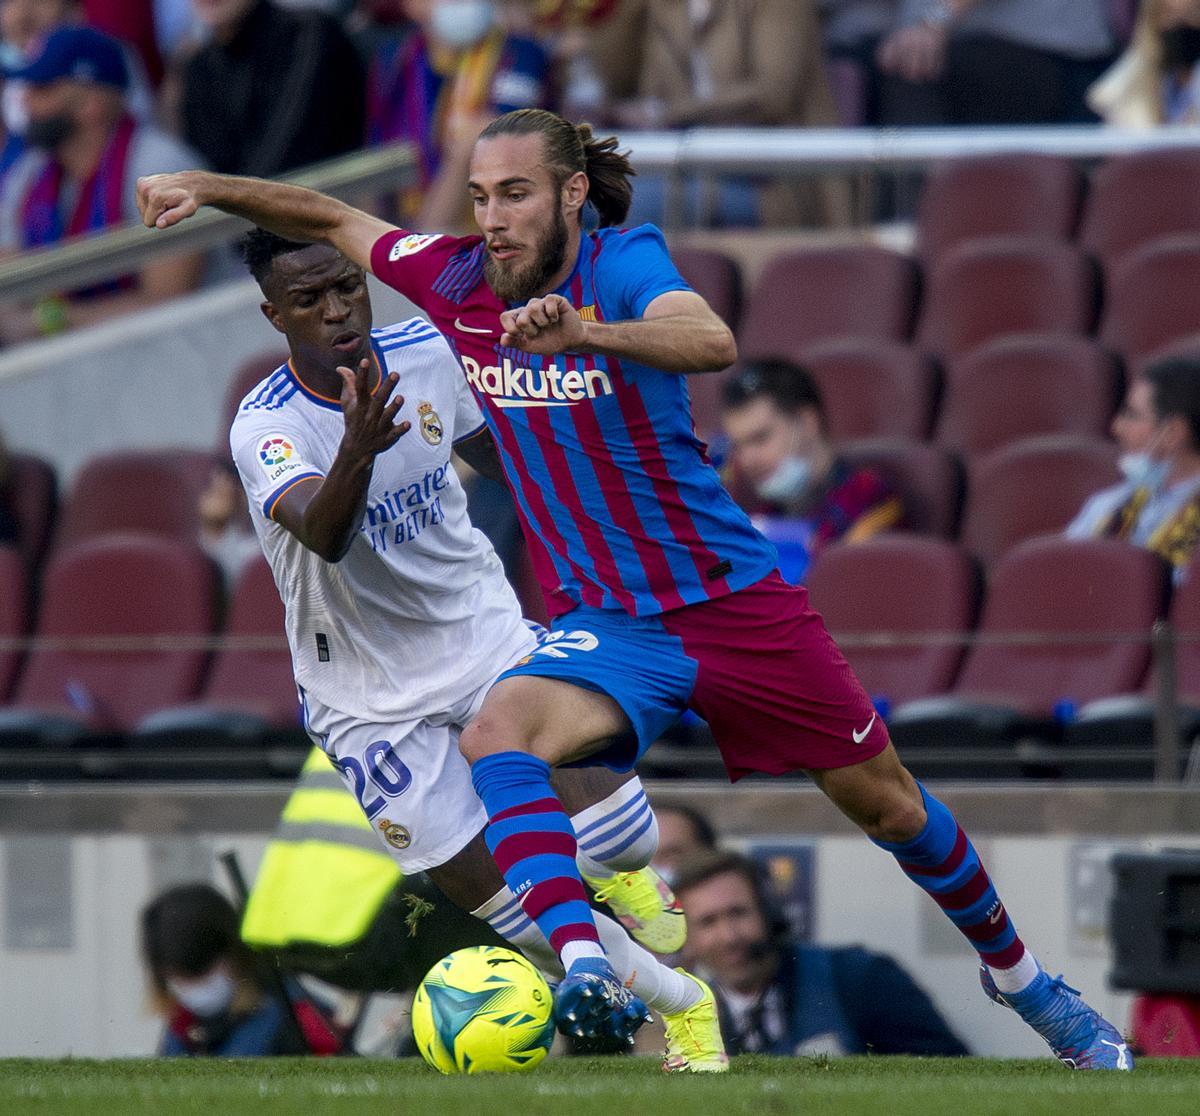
(272, 90)
(1157, 80)
(802, 495)
(226, 533)
(779, 996)
(85, 153)
(683, 833)
(1158, 504)
(681, 64)
(439, 85)
(208, 987)
(992, 61)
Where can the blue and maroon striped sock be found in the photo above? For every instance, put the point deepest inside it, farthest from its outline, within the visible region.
(942, 861)
(534, 847)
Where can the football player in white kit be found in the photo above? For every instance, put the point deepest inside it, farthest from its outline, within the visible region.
(399, 618)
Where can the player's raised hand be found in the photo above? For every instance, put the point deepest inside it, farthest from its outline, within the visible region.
(371, 425)
(166, 199)
(543, 325)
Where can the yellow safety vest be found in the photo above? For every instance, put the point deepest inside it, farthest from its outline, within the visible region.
(324, 875)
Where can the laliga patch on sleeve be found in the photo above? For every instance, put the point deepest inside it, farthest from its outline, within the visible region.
(412, 244)
(278, 457)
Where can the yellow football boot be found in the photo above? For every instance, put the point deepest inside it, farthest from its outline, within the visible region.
(644, 903)
(694, 1043)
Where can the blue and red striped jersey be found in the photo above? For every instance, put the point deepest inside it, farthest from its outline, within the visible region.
(619, 503)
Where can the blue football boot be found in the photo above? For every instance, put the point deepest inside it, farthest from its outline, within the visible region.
(590, 1002)
(1079, 1035)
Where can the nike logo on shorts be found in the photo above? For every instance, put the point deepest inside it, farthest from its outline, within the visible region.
(470, 329)
(859, 737)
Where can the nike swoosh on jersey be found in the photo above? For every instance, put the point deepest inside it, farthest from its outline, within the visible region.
(859, 737)
(470, 329)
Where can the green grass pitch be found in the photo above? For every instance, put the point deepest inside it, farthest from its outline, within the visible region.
(598, 1087)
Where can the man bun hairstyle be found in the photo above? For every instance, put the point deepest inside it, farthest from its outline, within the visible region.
(571, 148)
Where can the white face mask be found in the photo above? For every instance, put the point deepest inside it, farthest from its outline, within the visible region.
(462, 23)
(205, 996)
(1142, 471)
(788, 480)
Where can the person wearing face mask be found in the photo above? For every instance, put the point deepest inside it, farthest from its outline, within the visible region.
(1157, 505)
(271, 90)
(779, 996)
(438, 86)
(799, 492)
(208, 988)
(1157, 80)
(84, 151)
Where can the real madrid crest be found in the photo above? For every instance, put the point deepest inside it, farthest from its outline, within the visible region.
(431, 426)
(395, 835)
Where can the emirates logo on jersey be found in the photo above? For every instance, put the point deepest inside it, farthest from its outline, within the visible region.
(512, 386)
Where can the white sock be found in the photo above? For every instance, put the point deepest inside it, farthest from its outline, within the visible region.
(579, 950)
(659, 987)
(617, 834)
(1017, 977)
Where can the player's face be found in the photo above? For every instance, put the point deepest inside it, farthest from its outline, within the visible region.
(727, 933)
(521, 212)
(762, 437)
(320, 301)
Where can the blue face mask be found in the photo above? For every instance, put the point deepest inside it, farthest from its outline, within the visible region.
(788, 481)
(1143, 471)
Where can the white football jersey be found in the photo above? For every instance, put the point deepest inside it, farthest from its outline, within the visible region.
(418, 612)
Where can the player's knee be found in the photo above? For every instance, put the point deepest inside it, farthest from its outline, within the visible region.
(484, 736)
(895, 817)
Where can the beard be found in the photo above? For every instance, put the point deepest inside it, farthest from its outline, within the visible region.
(49, 133)
(520, 284)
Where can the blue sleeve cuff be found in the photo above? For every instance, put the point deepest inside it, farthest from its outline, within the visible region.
(273, 499)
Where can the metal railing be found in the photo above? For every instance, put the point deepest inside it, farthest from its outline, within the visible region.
(91, 259)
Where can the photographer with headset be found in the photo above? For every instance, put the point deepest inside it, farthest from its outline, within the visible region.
(779, 996)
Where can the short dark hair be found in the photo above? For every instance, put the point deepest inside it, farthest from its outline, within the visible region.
(791, 387)
(1175, 385)
(187, 929)
(706, 834)
(259, 249)
(697, 870)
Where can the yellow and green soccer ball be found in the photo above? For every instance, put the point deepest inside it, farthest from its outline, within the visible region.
(483, 1010)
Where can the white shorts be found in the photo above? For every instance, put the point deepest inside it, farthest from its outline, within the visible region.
(410, 779)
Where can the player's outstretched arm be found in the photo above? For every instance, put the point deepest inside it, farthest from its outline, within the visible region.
(679, 332)
(325, 515)
(289, 211)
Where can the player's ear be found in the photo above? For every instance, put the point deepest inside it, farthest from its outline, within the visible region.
(272, 315)
(575, 192)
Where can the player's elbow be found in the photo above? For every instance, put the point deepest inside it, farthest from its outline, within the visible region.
(722, 350)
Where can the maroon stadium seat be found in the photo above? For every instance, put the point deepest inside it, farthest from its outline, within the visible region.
(928, 478)
(715, 277)
(900, 584)
(146, 490)
(119, 586)
(1151, 299)
(820, 293)
(33, 499)
(982, 289)
(1134, 199)
(1183, 346)
(1032, 195)
(1032, 487)
(248, 375)
(872, 388)
(1026, 385)
(14, 613)
(1007, 691)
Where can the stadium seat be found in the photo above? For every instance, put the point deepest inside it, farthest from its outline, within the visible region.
(1137, 198)
(928, 478)
(872, 388)
(154, 491)
(901, 584)
(821, 293)
(14, 613)
(1032, 487)
(1089, 598)
(249, 373)
(1151, 298)
(32, 493)
(1023, 386)
(715, 277)
(1030, 195)
(984, 288)
(111, 588)
(1182, 346)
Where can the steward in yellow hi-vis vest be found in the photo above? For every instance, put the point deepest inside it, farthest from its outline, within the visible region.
(328, 900)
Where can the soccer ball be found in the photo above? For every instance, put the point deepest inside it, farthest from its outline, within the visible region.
(483, 1010)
